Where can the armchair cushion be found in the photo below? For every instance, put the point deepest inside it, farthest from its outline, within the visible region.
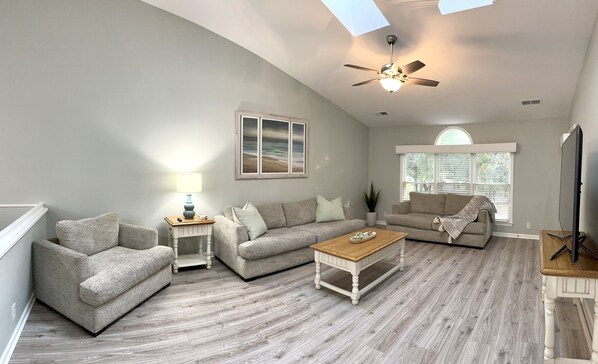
(117, 270)
(89, 236)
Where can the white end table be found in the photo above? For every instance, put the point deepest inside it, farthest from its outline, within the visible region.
(189, 228)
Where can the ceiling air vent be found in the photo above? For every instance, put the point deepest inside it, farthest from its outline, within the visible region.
(381, 113)
(531, 102)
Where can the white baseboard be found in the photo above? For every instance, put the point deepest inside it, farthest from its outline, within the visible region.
(12, 343)
(517, 236)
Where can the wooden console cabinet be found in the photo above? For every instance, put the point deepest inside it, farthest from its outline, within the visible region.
(560, 278)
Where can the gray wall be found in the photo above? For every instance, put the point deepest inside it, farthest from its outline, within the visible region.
(585, 113)
(103, 102)
(9, 214)
(536, 174)
(16, 265)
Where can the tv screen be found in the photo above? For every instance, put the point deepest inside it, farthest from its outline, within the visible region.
(570, 189)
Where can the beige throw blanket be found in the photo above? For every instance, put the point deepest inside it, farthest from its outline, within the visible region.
(454, 225)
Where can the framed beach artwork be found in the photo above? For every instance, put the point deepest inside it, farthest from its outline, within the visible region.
(270, 146)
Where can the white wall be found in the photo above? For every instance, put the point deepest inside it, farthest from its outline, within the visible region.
(585, 113)
(103, 102)
(17, 275)
(536, 172)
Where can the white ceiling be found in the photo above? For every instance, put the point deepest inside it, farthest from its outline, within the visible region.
(487, 60)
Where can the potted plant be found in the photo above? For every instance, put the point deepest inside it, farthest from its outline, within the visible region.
(371, 200)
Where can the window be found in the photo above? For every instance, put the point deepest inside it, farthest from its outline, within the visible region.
(469, 170)
(453, 136)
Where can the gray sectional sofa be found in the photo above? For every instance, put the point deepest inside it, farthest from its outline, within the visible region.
(416, 218)
(291, 230)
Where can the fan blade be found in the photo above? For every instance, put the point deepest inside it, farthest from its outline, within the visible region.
(421, 82)
(364, 82)
(413, 67)
(360, 68)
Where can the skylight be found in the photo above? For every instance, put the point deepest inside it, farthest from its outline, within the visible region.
(358, 16)
(453, 6)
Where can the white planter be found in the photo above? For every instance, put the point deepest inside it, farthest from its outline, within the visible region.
(371, 218)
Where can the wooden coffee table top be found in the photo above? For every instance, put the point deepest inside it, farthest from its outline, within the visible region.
(342, 248)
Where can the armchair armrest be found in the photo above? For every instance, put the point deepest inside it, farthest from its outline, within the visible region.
(402, 208)
(57, 273)
(137, 237)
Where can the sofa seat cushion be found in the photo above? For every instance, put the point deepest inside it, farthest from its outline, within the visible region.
(478, 228)
(414, 220)
(328, 230)
(276, 241)
(118, 269)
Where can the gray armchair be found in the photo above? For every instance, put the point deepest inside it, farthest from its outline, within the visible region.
(98, 270)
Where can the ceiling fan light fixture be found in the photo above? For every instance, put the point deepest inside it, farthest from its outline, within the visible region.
(391, 84)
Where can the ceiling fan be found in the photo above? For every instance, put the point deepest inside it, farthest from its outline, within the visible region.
(391, 76)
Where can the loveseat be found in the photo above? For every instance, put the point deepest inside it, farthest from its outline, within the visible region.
(416, 218)
(291, 229)
(97, 269)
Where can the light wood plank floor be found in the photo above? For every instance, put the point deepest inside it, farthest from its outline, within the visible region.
(450, 305)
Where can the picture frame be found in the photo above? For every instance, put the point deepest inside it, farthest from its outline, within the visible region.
(270, 146)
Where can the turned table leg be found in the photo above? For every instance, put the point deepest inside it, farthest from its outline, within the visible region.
(318, 275)
(594, 357)
(175, 247)
(402, 257)
(209, 252)
(355, 291)
(549, 305)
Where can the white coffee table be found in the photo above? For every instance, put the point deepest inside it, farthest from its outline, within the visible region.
(354, 258)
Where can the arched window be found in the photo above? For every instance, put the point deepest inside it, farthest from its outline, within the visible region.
(453, 136)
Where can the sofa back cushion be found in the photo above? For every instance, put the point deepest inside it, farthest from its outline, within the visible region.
(273, 215)
(427, 203)
(89, 236)
(300, 213)
(455, 203)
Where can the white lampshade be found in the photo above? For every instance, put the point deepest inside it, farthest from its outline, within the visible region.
(189, 182)
(390, 84)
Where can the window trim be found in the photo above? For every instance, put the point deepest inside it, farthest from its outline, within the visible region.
(467, 148)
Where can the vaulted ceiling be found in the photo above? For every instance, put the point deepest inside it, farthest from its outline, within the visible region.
(487, 60)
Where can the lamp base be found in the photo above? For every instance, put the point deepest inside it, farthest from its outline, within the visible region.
(189, 212)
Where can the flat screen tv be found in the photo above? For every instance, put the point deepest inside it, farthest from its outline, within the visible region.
(570, 193)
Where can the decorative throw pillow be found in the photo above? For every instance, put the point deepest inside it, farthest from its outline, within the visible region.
(329, 210)
(89, 236)
(250, 217)
(228, 212)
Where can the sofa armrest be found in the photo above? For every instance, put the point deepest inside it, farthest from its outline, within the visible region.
(137, 237)
(484, 216)
(229, 232)
(402, 208)
(58, 272)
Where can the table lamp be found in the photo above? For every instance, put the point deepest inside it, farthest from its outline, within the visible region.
(189, 183)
